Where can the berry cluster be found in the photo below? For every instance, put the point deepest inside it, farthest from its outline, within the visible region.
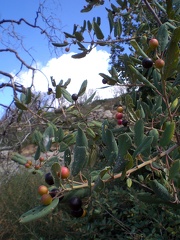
(75, 205)
(37, 166)
(148, 62)
(119, 116)
(46, 195)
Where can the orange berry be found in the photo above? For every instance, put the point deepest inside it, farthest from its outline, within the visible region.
(42, 190)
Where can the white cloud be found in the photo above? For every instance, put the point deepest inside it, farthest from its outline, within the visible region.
(78, 70)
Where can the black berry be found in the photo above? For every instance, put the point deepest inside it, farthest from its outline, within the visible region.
(104, 81)
(49, 179)
(147, 62)
(75, 203)
(74, 97)
(77, 213)
(124, 122)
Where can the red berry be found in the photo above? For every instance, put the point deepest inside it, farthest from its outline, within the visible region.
(42, 190)
(119, 115)
(153, 43)
(159, 63)
(46, 199)
(41, 159)
(64, 173)
(119, 121)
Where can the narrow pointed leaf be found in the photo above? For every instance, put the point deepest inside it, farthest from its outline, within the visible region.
(162, 37)
(67, 157)
(79, 55)
(38, 212)
(167, 134)
(79, 36)
(80, 159)
(143, 146)
(20, 105)
(97, 31)
(55, 168)
(28, 95)
(66, 95)
(139, 132)
(58, 91)
(160, 191)
(60, 44)
(82, 88)
(124, 143)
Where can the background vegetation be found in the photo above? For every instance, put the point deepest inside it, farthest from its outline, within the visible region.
(127, 175)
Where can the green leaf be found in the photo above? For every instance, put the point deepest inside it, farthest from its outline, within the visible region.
(138, 49)
(81, 139)
(58, 91)
(53, 81)
(93, 156)
(89, 26)
(55, 168)
(67, 35)
(140, 77)
(143, 146)
(20, 105)
(120, 164)
(66, 95)
(117, 28)
(38, 212)
(160, 191)
(162, 37)
(174, 171)
(59, 135)
(37, 153)
(111, 21)
(97, 31)
(111, 143)
(28, 95)
(110, 80)
(79, 55)
(155, 134)
(82, 88)
(124, 143)
(129, 182)
(79, 36)
(80, 159)
(139, 132)
(60, 44)
(63, 147)
(167, 134)
(172, 55)
(67, 83)
(16, 157)
(90, 99)
(47, 137)
(87, 8)
(67, 157)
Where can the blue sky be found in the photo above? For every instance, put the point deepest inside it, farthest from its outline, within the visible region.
(61, 66)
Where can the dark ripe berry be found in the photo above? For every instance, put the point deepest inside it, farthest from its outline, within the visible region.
(74, 97)
(49, 179)
(75, 203)
(124, 122)
(104, 81)
(77, 213)
(147, 62)
(49, 89)
(54, 192)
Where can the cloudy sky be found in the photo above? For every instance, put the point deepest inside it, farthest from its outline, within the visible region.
(61, 66)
